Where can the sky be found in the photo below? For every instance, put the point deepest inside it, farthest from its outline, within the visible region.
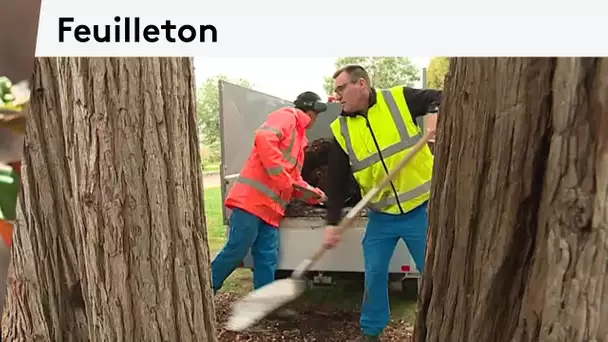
(281, 77)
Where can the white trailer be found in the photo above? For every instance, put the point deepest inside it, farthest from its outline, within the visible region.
(242, 111)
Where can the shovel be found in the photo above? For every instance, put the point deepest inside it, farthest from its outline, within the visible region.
(267, 299)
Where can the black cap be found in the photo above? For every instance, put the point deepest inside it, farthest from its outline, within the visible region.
(310, 101)
(309, 96)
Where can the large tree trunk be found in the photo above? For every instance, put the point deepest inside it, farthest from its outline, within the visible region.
(111, 242)
(518, 215)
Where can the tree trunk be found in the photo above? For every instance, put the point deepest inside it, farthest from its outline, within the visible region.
(518, 216)
(111, 243)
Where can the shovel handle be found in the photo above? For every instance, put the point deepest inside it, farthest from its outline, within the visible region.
(347, 221)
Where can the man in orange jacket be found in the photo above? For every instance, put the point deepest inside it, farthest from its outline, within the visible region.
(265, 186)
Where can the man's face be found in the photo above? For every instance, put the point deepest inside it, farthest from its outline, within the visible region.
(313, 118)
(352, 95)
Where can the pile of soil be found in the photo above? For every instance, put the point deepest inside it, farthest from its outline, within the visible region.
(313, 325)
(314, 172)
(300, 209)
(316, 161)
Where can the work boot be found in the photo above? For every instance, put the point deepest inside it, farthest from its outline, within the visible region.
(284, 315)
(368, 338)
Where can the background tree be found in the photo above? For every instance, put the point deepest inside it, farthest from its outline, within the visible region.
(518, 221)
(208, 106)
(110, 243)
(438, 69)
(385, 72)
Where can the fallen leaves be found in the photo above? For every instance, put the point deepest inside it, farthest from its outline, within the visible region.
(313, 325)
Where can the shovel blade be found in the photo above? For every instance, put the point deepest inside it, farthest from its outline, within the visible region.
(263, 301)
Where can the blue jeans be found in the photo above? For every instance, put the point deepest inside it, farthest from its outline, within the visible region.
(247, 231)
(381, 236)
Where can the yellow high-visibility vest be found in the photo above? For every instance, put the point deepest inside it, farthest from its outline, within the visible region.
(396, 134)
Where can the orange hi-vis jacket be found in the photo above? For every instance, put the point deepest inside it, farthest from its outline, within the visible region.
(265, 185)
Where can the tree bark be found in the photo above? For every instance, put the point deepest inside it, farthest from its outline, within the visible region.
(518, 216)
(111, 242)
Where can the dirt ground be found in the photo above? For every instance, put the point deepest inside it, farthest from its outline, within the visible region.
(314, 325)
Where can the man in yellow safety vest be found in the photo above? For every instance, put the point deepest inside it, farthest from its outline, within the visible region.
(375, 131)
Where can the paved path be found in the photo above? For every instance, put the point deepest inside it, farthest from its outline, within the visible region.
(211, 181)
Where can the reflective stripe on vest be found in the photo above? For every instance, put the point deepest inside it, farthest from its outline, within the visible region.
(307, 196)
(421, 122)
(272, 129)
(403, 197)
(405, 143)
(263, 188)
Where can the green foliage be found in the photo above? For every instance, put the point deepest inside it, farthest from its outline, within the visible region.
(9, 191)
(384, 72)
(211, 153)
(208, 108)
(438, 69)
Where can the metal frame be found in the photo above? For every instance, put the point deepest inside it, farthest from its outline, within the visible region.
(220, 87)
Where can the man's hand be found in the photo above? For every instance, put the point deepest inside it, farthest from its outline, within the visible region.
(431, 126)
(331, 238)
(322, 196)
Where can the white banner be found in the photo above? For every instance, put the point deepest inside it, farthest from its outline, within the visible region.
(315, 28)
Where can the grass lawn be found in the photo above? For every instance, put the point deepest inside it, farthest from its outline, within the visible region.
(345, 294)
(211, 168)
